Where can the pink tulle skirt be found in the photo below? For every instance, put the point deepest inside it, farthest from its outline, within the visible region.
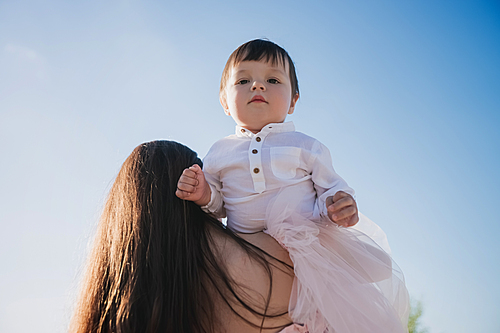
(344, 281)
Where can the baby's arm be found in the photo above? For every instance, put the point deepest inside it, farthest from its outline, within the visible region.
(335, 197)
(193, 186)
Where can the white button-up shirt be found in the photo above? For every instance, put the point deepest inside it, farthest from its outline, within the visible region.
(246, 170)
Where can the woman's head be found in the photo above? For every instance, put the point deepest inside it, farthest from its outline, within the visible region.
(144, 190)
(142, 274)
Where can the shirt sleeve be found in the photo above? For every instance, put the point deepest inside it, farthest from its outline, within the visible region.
(212, 175)
(326, 181)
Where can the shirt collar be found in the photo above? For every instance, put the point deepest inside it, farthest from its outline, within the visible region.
(269, 128)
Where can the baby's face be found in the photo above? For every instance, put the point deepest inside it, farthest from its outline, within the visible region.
(258, 93)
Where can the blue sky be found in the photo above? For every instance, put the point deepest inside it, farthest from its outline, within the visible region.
(405, 95)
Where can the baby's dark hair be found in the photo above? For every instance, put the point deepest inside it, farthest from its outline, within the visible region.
(256, 50)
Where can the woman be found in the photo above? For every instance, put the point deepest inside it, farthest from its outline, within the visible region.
(160, 264)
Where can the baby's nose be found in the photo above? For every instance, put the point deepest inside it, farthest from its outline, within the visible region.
(257, 85)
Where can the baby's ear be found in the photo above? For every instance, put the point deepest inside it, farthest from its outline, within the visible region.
(292, 103)
(223, 102)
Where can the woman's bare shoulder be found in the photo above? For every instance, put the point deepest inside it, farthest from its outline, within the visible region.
(253, 281)
(268, 244)
(233, 253)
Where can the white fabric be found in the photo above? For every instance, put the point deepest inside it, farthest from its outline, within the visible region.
(282, 158)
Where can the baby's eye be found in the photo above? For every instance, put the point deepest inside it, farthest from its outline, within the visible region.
(273, 81)
(243, 81)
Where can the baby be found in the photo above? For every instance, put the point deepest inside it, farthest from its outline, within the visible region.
(268, 177)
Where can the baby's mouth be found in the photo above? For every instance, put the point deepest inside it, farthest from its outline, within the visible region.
(258, 99)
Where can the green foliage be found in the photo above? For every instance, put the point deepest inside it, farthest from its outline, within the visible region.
(414, 324)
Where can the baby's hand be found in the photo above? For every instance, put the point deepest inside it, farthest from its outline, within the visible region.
(192, 186)
(342, 209)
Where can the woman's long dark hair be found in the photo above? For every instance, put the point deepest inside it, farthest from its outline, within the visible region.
(153, 265)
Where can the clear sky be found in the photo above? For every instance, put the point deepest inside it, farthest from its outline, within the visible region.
(405, 94)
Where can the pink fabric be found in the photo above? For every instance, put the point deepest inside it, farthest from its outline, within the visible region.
(344, 282)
